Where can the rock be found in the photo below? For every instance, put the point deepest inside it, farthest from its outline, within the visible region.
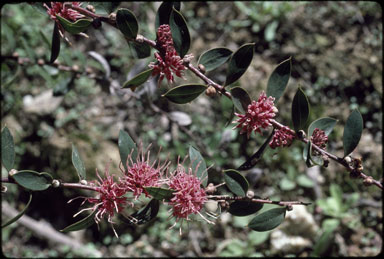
(42, 104)
(283, 243)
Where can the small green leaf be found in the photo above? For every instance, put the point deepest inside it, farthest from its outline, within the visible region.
(159, 193)
(323, 243)
(82, 224)
(7, 149)
(236, 182)
(352, 132)
(198, 162)
(213, 58)
(268, 220)
(278, 80)
(180, 33)
(127, 23)
(184, 93)
(305, 181)
(32, 180)
(139, 50)
(138, 79)
(18, 215)
(63, 86)
(78, 163)
(55, 46)
(126, 146)
(244, 208)
(326, 124)
(240, 99)
(74, 27)
(239, 62)
(146, 214)
(300, 110)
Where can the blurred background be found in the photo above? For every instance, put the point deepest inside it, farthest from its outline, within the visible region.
(336, 50)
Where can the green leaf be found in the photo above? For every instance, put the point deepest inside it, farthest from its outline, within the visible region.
(300, 110)
(18, 215)
(240, 99)
(236, 182)
(145, 214)
(7, 149)
(323, 243)
(286, 185)
(244, 208)
(107, 7)
(126, 147)
(32, 180)
(159, 193)
(63, 86)
(198, 162)
(326, 124)
(307, 154)
(78, 163)
(163, 14)
(75, 27)
(55, 46)
(304, 181)
(239, 62)
(127, 23)
(352, 132)
(278, 80)
(180, 33)
(184, 93)
(138, 79)
(82, 224)
(267, 220)
(139, 50)
(213, 58)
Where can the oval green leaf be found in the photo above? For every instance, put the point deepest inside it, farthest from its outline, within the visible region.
(300, 110)
(278, 80)
(7, 149)
(198, 165)
(81, 224)
(163, 14)
(239, 62)
(126, 147)
(32, 180)
(138, 80)
(55, 46)
(159, 193)
(139, 50)
(146, 214)
(236, 182)
(180, 33)
(78, 163)
(213, 58)
(326, 124)
(75, 27)
(127, 23)
(184, 93)
(352, 132)
(244, 208)
(240, 99)
(18, 215)
(268, 220)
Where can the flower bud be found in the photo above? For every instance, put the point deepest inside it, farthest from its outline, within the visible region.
(211, 91)
(84, 182)
(210, 188)
(202, 68)
(75, 68)
(348, 159)
(91, 8)
(250, 194)
(55, 183)
(40, 62)
(211, 206)
(112, 16)
(12, 172)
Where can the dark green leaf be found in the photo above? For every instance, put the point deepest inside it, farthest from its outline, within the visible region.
(239, 62)
(55, 46)
(352, 132)
(236, 182)
(163, 14)
(300, 110)
(184, 93)
(7, 149)
(127, 23)
(82, 224)
(278, 80)
(180, 33)
(139, 50)
(213, 58)
(32, 180)
(268, 220)
(18, 215)
(255, 158)
(78, 163)
(63, 86)
(145, 214)
(240, 99)
(244, 208)
(159, 193)
(138, 79)
(326, 124)
(126, 146)
(307, 154)
(198, 162)
(74, 27)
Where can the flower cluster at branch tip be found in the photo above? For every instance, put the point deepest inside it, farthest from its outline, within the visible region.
(258, 115)
(319, 138)
(168, 62)
(281, 137)
(59, 8)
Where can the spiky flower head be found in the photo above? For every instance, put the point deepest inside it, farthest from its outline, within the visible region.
(59, 8)
(281, 138)
(319, 138)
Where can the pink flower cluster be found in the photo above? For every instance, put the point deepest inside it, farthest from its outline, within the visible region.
(319, 138)
(258, 115)
(281, 138)
(58, 8)
(168, 62)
